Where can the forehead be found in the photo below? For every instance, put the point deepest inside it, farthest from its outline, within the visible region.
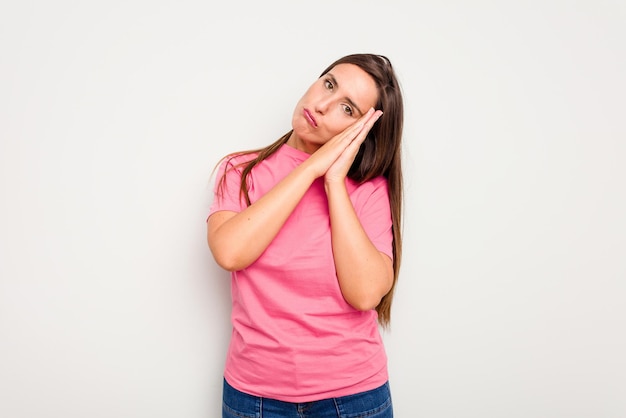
(355, 83)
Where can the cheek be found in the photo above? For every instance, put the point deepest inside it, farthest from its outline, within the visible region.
(339, 125)
(337, 120)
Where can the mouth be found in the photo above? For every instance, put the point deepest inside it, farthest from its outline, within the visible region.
(309, 117)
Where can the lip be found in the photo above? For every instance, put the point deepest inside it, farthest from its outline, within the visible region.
(309, 117)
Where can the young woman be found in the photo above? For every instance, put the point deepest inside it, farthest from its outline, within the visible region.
(309, 228)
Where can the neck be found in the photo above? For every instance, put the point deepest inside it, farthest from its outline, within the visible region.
(296, 142)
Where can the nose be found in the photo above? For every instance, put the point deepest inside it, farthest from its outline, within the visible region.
(323, 105)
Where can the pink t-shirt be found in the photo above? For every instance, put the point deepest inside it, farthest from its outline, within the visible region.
(294, 336)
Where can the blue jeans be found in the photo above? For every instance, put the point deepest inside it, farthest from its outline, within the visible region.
(374, 403)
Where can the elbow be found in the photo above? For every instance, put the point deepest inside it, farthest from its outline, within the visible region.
(226, 265)
(365, 297)
(363, 302)
(228, 261)
(364, 289)
(364, 307)
(224, 256)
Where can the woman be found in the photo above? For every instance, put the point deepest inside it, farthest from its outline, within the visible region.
(309, 228)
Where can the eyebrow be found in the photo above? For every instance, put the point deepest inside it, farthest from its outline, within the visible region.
(346, 98)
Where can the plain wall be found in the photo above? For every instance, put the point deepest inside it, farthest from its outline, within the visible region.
(113, 114)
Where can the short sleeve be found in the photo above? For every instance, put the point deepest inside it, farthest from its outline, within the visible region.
(226, 191)
(373, 208)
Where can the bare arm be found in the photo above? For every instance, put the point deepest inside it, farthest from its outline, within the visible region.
(237, 239)
(365, 274)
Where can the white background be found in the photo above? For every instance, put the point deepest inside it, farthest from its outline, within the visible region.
(113, 114)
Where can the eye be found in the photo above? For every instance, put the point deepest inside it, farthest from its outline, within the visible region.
(348, 110)
(329, 84)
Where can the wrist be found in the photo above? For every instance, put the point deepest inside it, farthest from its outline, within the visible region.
(334, 185)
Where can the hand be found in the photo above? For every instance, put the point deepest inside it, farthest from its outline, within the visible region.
(341, 149)
(354, 138)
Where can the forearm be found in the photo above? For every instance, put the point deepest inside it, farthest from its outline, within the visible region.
(238, 239)
(365, 274)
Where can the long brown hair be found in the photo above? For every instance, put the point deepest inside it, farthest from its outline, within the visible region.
(379, 155)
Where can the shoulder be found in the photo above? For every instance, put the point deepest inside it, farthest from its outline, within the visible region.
(379, 183)
(238, 159)
(369, 194)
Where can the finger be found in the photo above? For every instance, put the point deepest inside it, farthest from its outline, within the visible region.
(365, 119)
(358, 126)
(352, 132)
(368, 125)
(373, 118)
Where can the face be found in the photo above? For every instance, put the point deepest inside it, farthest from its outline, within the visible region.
(334, 102)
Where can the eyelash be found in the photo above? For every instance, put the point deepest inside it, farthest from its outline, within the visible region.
(330, 86)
